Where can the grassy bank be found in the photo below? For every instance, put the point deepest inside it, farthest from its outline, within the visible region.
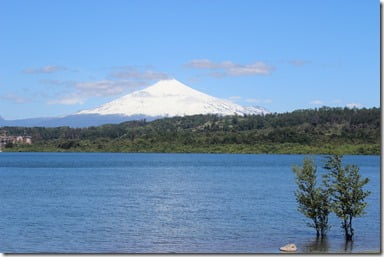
(285, 148)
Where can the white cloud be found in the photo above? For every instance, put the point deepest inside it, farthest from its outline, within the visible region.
(99, 88)
(68, 100)
(133, 73)
(258, 68)
(108, 87)
(317, 102)
(122, 80)
(354, 105)
(14, 98)
(103, 88)
(201, 64)
(228, 68)
(337, 102)
(235, 98)
(44, 69)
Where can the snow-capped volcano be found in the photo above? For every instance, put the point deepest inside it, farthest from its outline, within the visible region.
(168, 98)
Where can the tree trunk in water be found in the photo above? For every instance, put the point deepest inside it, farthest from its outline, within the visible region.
(348, 229)
(323, 233)
(317, 227)
(345, 226)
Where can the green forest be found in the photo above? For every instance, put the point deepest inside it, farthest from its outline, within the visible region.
(311, 131)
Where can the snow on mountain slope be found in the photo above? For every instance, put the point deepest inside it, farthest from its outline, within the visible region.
(169, 98)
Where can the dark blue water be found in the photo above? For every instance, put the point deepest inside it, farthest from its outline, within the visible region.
(161, 203)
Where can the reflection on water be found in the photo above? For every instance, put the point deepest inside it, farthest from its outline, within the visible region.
(348, 246)
(318, 245)
(322, 245)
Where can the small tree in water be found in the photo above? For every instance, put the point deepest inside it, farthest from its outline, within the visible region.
(313, 201)
(346, 189)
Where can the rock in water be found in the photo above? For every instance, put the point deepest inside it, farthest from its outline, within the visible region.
(289, 248)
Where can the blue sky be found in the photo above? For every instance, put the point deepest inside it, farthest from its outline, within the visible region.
(58, 57)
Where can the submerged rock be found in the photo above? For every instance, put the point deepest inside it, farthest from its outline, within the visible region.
(289, 248)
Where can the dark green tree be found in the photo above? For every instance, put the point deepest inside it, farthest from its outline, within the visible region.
(313, 200)
(345, 187)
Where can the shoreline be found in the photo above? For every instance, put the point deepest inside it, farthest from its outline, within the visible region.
(174, 152)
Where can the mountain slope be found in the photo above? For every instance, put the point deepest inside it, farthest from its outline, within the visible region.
(168, 98)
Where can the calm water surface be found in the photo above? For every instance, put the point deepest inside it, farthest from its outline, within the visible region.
(161, 203)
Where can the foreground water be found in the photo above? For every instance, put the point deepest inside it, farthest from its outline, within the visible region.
(161, 203)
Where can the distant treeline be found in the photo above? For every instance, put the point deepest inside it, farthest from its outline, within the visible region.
(325, 131)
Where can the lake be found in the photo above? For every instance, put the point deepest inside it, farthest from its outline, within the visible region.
(166, 203)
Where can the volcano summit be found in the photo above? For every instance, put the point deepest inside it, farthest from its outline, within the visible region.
(168, 98)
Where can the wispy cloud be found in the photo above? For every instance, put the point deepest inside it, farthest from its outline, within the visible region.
(106, 87)
(14, 98)
(250, 100)
(298, 62)
(133, 73)
(70, 99)
(336, 102)
(56, 82)
(228, 68)
(204, 64)
(235, 98)
(44, 69)
(258, 101)
(120, 80)
(317, 102)
(81, 91)
(354, 105)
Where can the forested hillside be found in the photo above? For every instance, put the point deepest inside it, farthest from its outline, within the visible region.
(325, 130)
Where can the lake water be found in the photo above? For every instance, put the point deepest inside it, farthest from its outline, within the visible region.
(162, 203)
